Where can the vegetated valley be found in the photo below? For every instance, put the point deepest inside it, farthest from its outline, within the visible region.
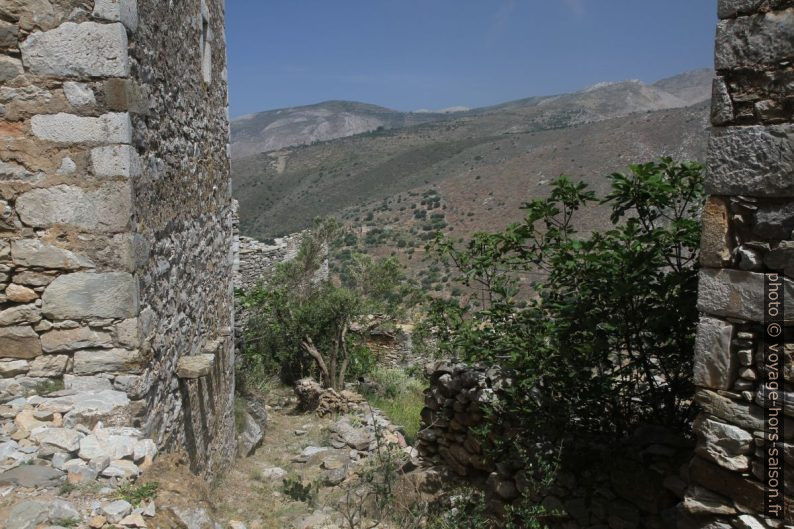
(413, 174)
(435, 385)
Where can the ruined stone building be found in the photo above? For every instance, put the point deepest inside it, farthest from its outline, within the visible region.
(748, 224)
(115, 212)
(117, 230)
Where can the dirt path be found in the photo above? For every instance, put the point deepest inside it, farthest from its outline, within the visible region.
(252, 491)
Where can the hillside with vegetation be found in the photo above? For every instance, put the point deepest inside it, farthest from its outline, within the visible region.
(482, 162)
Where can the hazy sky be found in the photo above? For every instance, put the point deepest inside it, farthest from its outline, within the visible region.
(412, 54)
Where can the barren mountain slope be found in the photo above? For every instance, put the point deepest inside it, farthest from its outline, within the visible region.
(281, 192)
(276, 129)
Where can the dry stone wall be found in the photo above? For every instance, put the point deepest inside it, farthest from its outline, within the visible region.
(115, 212)
(636, 484)
(748, 224)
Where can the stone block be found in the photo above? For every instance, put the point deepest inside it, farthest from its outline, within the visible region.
(745, 492)
(20, 294)
(124, 11)
(732, 8)
(9, 34)
(195, 366)
(127, 333)
(87, 383)
(113, 127)
(79, 95)
(715, 240)
(748, 42)
(9, 68)
(724, 444)
(86, 295)
(19, 341)
(774, 221)
(781, 258)
(29, 313)
(115, 160)
(742, 414)
(11, 368)
(752, 161)
(65, 340)
(714, 365)
(738, 294)
(48, 366)
(33, 252)
(87, 49)
(721, 104)
(90, 361)
(106, 209)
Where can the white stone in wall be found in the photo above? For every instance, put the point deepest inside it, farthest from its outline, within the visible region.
(115, 160)
(65, 340)
(113, 127)
(714, 365)
(33, 252)
(78, 94)
(127, 332)
(106, 209)
(754, 40)
(85, 295)
(754, 161)
(725, 444)
(48, 366)
(88, 49)
(124, 11)
(90, 361)
(738, 294)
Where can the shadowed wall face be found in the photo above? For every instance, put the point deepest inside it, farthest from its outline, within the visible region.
(115, 212)
(747, 231)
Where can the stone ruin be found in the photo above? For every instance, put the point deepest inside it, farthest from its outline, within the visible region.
(116, 217)
(117, 256)
(748, 229)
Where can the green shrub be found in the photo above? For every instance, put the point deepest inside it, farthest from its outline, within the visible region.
(606, 342)
(295, 489)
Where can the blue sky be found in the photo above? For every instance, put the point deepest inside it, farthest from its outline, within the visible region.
(412, 54)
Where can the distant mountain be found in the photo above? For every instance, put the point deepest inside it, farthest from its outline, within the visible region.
(691, 87)
(275, 129)
(483, 162)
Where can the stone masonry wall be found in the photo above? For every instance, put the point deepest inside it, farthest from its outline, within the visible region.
(115, 212)
(747, 230)
(637, 484)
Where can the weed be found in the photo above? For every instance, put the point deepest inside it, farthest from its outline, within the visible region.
(136, 494)
(298, 491)
(239, 414)
(66, 489)
(47, 386)
(66, 522)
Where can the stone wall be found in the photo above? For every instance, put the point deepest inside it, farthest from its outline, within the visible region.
(636, 484)
(115, 211)
(747, 231)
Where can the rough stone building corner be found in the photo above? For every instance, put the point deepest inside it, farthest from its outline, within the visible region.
(115, 212)
(748, 224)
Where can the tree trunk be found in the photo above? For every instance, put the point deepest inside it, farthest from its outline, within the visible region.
(309, 347)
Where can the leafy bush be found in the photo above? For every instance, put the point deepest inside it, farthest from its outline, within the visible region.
(606, 341)
(295, 489)
(301, 320)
